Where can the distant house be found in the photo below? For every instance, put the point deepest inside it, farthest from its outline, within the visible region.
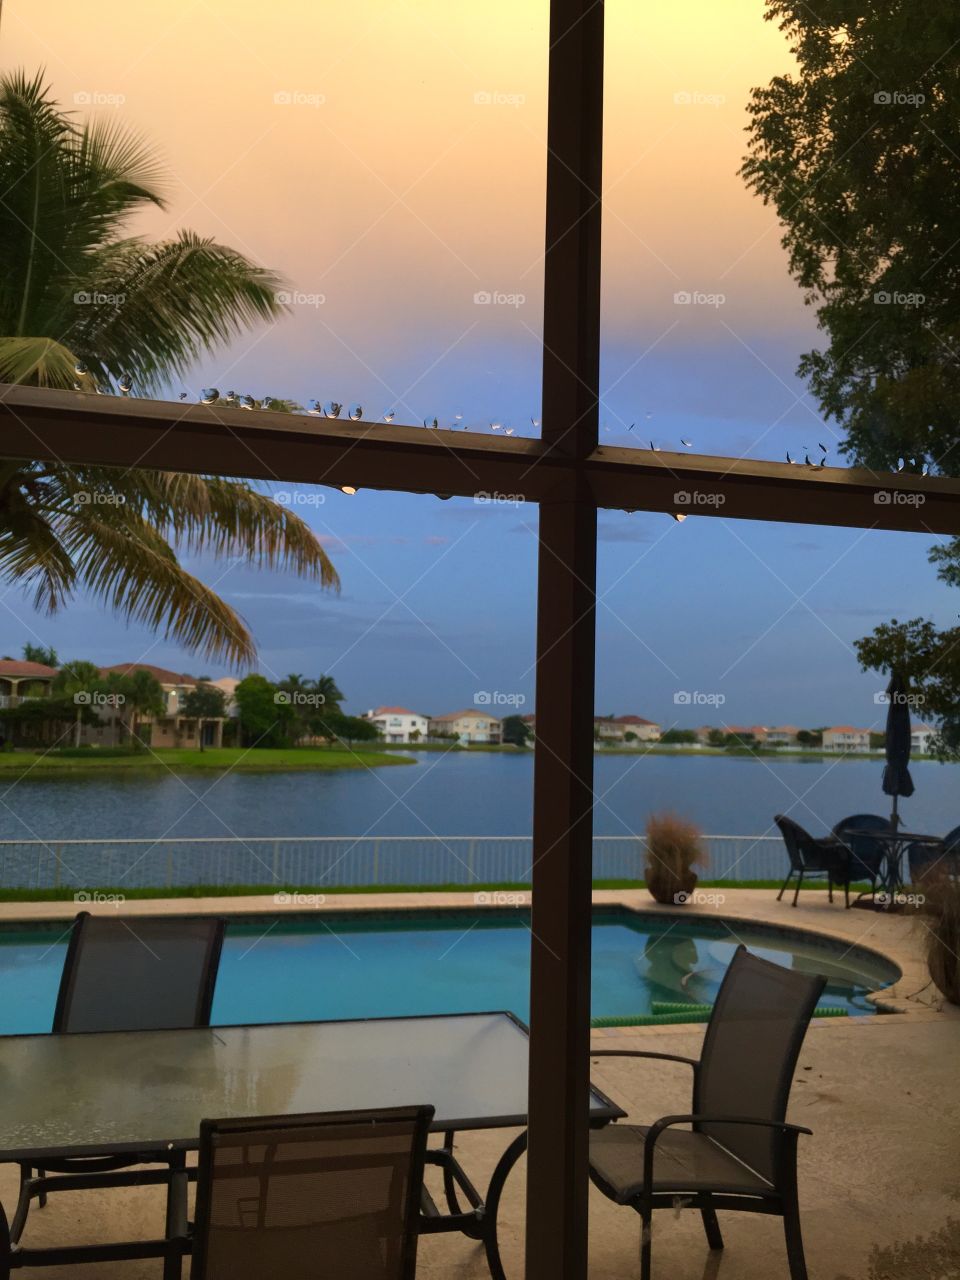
(468, 726)
(782, 735)
(616, 728)
(398, 724)
(921, 735)
(755, 731)
(531, 723)
(20, 681)
(844, 737)
(172, 728)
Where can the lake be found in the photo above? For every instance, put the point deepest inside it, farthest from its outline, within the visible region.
(463, 794)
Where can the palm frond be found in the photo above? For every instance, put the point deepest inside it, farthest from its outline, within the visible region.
(41, 362)
(126, 564)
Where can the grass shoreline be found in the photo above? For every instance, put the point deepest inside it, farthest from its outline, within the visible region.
(236, 759)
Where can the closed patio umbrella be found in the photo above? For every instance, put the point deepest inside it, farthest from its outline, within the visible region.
(896, 775)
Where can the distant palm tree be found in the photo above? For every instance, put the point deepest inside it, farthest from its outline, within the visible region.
(82, 304)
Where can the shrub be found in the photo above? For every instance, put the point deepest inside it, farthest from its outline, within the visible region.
(674, 848)
(941, 922)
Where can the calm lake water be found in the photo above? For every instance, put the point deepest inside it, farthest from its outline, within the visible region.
(463, 794)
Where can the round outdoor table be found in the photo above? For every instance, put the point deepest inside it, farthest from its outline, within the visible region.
(896, 842)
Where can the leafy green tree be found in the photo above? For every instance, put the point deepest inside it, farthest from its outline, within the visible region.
(515, 731)
(810, 738)
(204, 702)
(335, 725)
(78, 678)
(135, 694)
(78, 292)
(264, 712)
(929, 661)
(47, 657)
(858, 153)
(717, 738)
(678, 737)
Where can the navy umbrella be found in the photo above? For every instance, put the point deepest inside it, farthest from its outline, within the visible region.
(896, 775)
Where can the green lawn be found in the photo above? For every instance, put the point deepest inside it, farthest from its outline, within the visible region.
(257, 759)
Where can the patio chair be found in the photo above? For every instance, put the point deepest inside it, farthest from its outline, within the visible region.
(867, 855)
(309, 1195)
(811, 858)
(143, 973)
(926, 858)
(739, 1152)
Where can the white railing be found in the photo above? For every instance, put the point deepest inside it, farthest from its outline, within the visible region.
(340, 861)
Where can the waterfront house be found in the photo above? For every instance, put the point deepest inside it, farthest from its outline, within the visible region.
(921, 736)
(171, 729)
(844, 737)
(616, 728)
(398, 724)
(755, 731)
(20, 681)
(468, 726)
(782, 735)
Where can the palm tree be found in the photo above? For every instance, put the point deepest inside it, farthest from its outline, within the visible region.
(83, 305)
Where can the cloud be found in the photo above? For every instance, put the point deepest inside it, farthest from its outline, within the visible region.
(624, 533)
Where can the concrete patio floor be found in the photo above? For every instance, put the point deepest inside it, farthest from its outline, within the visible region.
(879, 1180)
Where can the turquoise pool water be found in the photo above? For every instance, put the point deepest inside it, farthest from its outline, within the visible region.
(372, 964)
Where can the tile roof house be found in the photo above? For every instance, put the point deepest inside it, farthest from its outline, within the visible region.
(170, 729)
(469, 726)
(398, 724)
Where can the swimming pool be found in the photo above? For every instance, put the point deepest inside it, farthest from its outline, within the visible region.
(368, 964)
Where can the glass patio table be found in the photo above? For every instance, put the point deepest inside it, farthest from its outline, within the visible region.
(106, 1094)
(895, 843)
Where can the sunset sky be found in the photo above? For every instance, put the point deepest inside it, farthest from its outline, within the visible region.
(387, 158)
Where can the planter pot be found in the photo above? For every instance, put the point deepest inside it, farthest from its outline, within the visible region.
(671, 891)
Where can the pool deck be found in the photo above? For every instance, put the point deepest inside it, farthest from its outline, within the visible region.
(879, 1184)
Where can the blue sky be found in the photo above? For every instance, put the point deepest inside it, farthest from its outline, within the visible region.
(387, 211)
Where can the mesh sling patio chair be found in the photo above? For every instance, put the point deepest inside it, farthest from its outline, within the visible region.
(925, 859)
(142, 973)
(739, 1153)
(811, 857)
(310, 1197)
(866, 854)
